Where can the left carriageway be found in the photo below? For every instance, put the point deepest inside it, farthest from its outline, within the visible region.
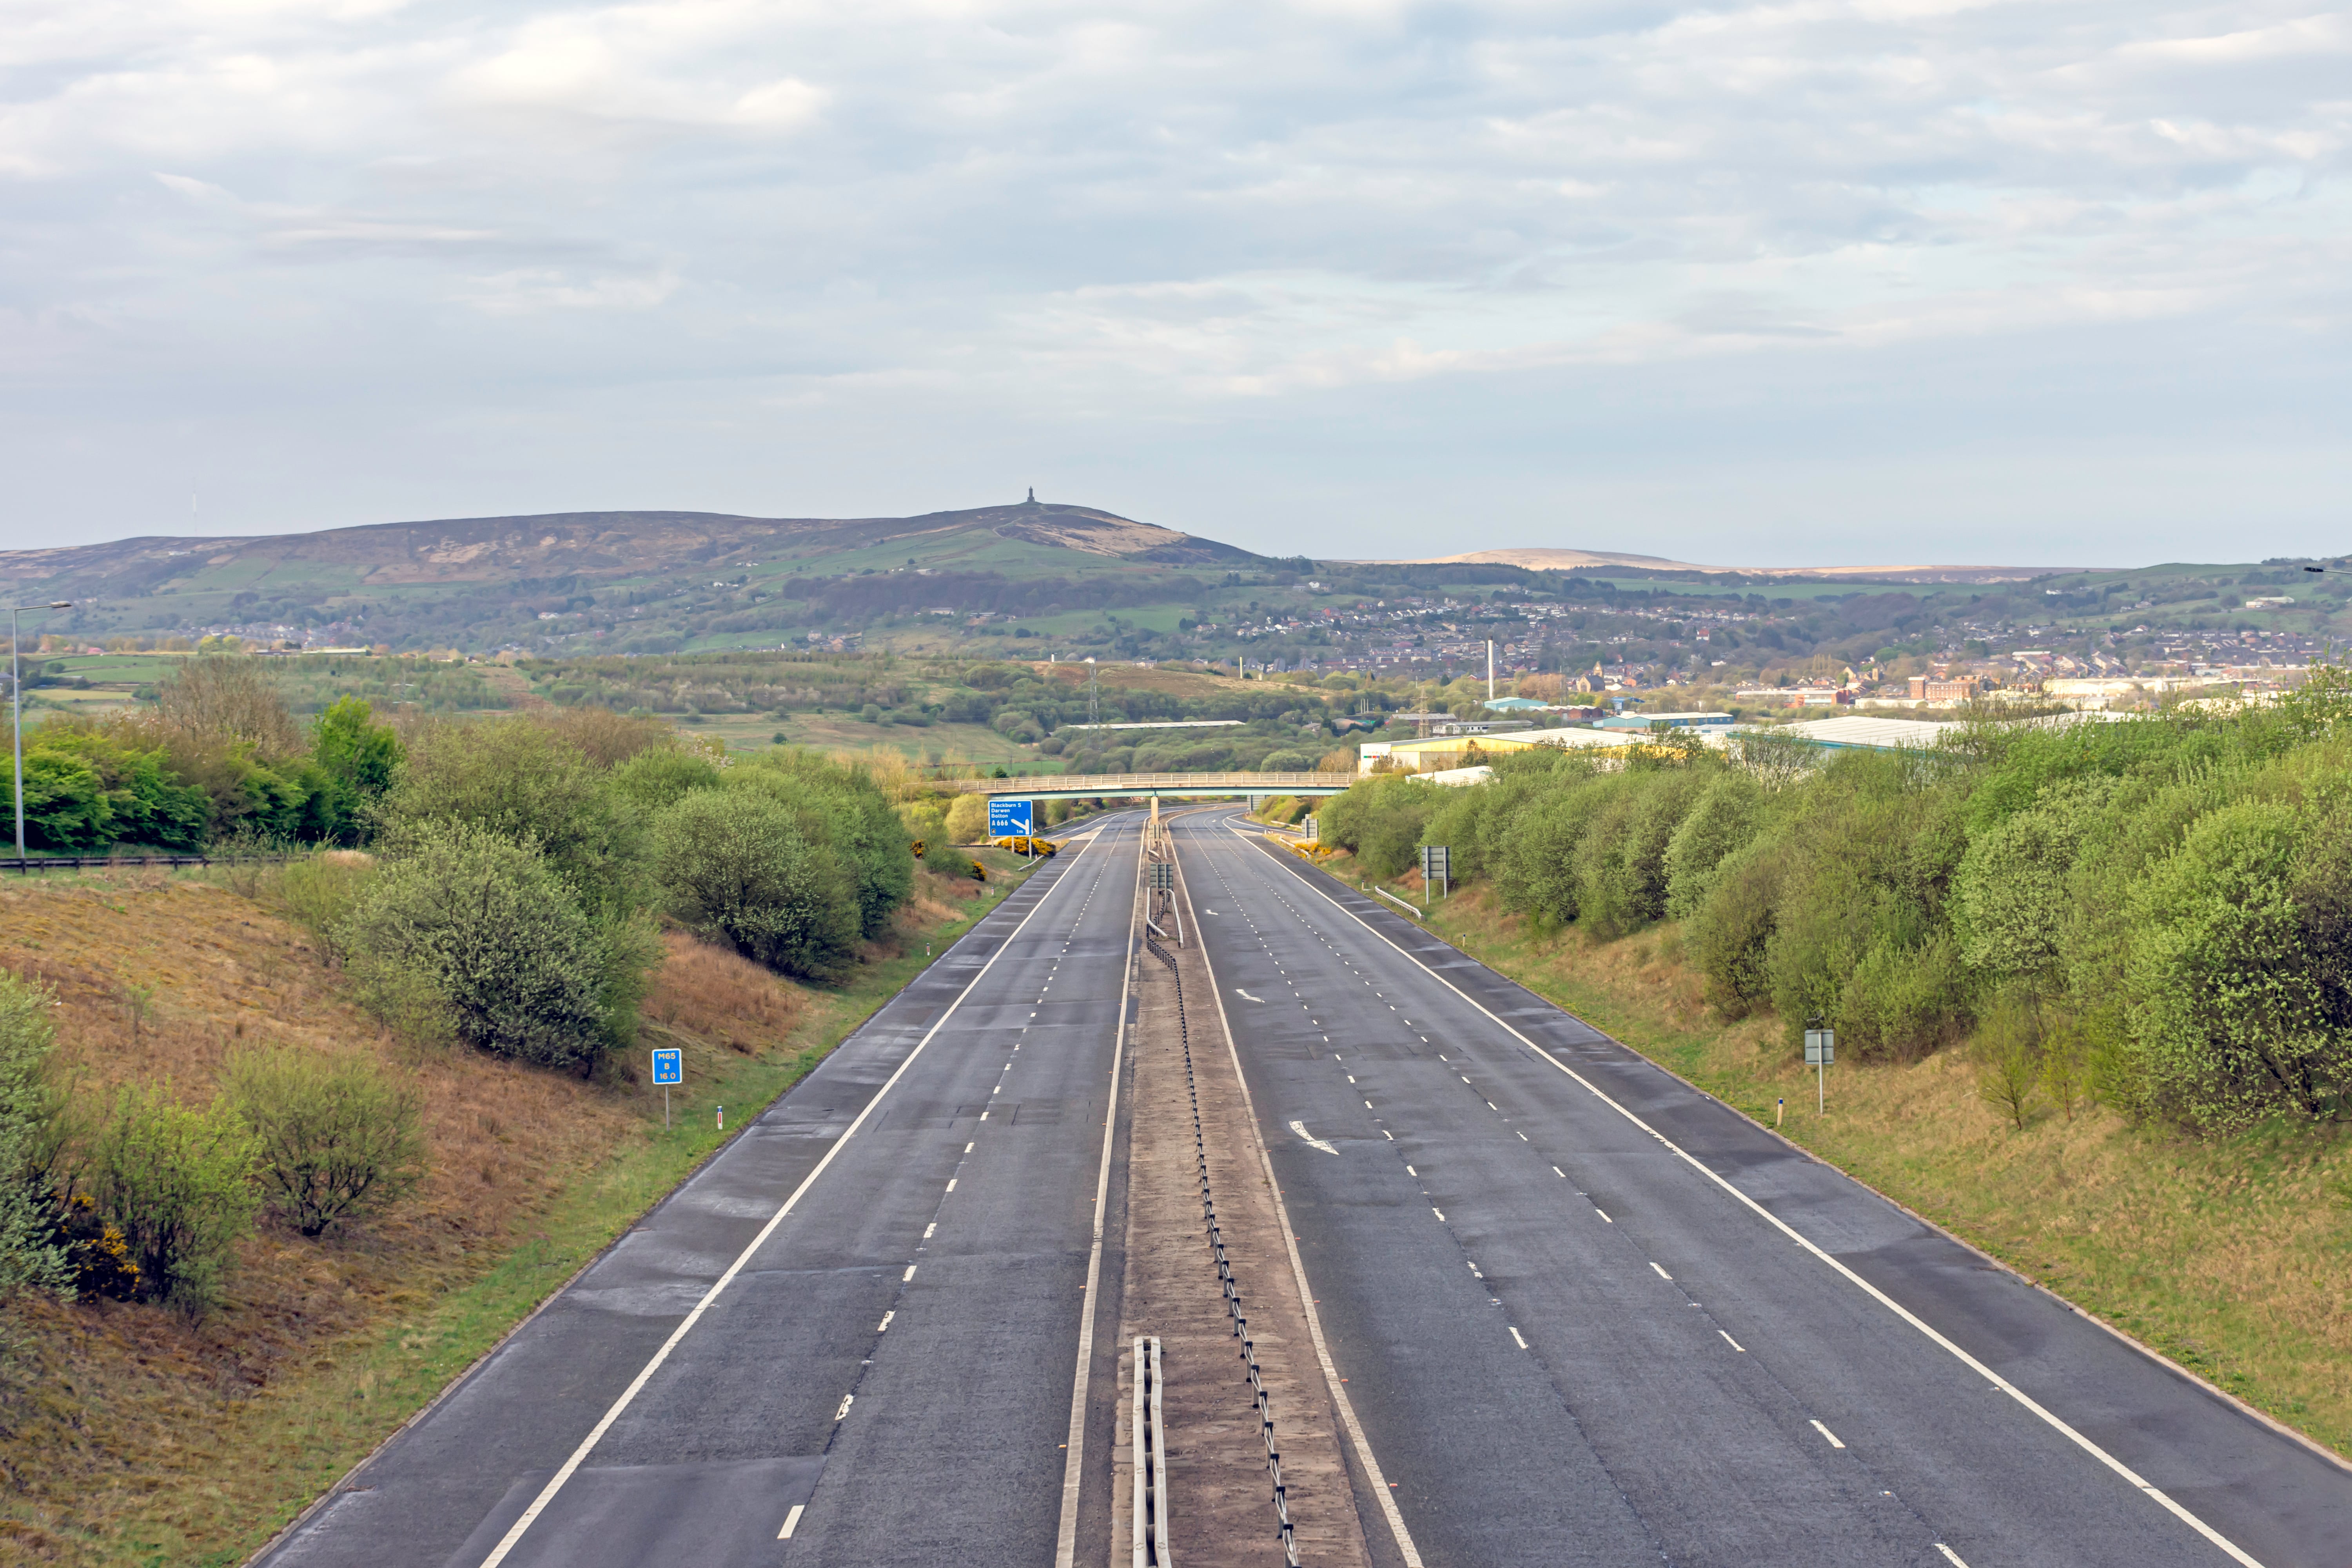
(854, 1335)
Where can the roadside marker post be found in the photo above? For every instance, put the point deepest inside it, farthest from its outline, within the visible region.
(1820, 1049)
(669, 1067)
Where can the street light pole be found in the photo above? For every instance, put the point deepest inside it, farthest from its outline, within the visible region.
(17, 709)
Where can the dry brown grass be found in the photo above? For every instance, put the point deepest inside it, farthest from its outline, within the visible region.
(124, 1416)
(719, 997)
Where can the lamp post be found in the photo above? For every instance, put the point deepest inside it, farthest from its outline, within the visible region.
(16, 709)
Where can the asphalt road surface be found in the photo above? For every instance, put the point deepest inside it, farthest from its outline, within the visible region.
(887, 1370)
(1589, 1315)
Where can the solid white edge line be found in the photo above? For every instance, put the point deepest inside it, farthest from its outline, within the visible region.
(1356, 1437)
(1065, 1534)
(2155, 1494)
(636, 1384)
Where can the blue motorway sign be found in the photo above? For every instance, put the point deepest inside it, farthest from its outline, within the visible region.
(669, 1067)
(1010, 819)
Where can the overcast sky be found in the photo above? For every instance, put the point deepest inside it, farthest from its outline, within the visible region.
(2054, 282)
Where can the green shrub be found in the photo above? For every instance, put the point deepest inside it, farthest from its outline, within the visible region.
(1727, 814)
(338, 1135)
(1623, 860)
(177, 1186)
(317, 893)
(488, 927)
(1732, 932)
(30, 1257)
(2237, 986)
(744, 868)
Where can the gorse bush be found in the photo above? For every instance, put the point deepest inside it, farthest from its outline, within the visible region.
(335, 1136)
(175, 1185)
(2167, 901)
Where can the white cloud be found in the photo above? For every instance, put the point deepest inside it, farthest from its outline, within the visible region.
(1155, 217)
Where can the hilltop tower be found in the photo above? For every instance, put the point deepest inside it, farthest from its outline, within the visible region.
(1033, 495)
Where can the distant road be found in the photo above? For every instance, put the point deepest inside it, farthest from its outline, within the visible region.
(889, 1369)
(1589, 1315)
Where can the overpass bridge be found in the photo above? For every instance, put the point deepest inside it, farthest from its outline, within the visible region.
(1164, 786)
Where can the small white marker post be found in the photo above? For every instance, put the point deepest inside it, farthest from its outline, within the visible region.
(669, 1067)
(1820, 1049)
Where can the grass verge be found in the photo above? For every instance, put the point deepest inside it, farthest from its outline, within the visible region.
(135, 1436)
(2233, 1256)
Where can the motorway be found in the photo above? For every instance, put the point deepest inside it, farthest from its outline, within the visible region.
(883, 1374)
(1589, 1315)
(1584, 1313)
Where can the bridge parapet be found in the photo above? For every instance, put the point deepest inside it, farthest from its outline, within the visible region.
(1066, 787)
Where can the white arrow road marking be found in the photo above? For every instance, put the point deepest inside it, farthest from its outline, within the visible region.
(1312, 1142)
(1248, 997)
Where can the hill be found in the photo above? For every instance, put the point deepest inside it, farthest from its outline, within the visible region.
(478, 583)
(1572, 559)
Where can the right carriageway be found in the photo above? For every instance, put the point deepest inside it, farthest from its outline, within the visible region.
(1587, 1314)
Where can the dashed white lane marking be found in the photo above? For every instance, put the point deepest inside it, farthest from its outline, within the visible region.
(849, 1399)
(1411, 1172)
(928, 1228)
(645, 1373)
(1950, 1556)
(1560, 1173)
(790, 1519)
(1662, 1273)
(951, 1182)
(909, 1274)
(1519, 1336)
(1523, 1138)
(1830, 1434)
(1604, 1215)
(1439, 1213)
(1735, 1344)
(969, 1147)
(884, 1326)
(2124, 1472)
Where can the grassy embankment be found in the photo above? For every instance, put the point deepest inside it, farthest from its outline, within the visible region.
(130, 1434)
(2233, 1257)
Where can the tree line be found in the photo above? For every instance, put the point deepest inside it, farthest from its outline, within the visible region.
(2155, 912)
(516, 868)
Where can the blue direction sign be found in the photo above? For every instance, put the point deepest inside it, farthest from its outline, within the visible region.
(669, 1067)
(1010, 819)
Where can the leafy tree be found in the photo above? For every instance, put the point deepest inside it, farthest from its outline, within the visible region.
(967, 819)
(519, 782)
(359, 758)
(842, 809)
(661, 776)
